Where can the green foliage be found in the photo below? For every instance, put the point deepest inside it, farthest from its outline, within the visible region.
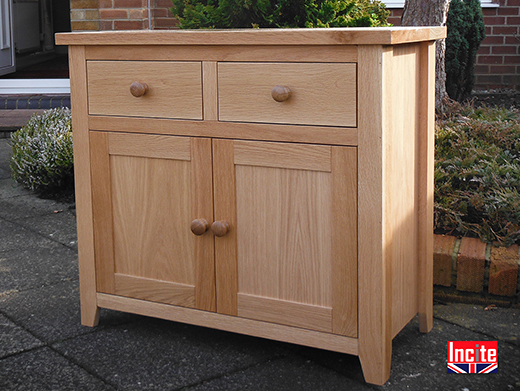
(477, 173)
(194, 14)
(42, 153)
(466, 31)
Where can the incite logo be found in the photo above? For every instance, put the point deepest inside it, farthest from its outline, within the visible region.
(472, 356)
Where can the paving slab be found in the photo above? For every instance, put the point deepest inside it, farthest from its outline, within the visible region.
(287, 373)
(43, 369)
(38, 264)
(23, 206)
(498, 323)
(160, 355)
(14, 339)
(53, 313)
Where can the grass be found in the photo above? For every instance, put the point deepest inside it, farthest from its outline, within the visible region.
(477, 173)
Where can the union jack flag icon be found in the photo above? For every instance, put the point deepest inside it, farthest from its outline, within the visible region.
(472, 368)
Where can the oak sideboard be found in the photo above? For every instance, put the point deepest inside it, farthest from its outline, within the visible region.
(275, 183)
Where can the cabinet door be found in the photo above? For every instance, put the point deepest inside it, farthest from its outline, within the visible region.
(290, 255)
(146, 191)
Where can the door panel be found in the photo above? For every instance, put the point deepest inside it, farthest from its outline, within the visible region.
(294, 224)
(143, 190)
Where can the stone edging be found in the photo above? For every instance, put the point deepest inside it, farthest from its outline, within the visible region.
(469, 265)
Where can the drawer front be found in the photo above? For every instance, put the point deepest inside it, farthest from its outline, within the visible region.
(320, 93)
(173, 89)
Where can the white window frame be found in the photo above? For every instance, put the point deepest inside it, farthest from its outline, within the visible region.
(400, 3)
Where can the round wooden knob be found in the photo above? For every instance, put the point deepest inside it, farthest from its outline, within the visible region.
(280, 93)
(199, 226)
(220, 228)
(138, 89)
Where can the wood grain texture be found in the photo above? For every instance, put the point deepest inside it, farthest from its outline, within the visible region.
(209, 88)
(401, 108)
(235, 324)
(374, 278)
(284, 234)
(225, 209)
(174, 89)
(285, 312)
(283, 155)
(330, 36)
(82, 178)
(151, 201)
(229, 130)
(250, 52)
(151, 146)
(344, 241)
(102, 211)
(202, 207)
(155, 290)
(425, 184)
(321, 93)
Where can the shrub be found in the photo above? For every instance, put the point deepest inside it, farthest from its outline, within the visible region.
(477, 173)
(465, 33)
(42, 153)
(194, 14)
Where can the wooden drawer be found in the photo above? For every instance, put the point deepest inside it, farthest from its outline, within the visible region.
(320, 93)
(174, 89)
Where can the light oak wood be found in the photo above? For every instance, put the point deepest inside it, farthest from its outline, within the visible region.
(250, 52)
(336, 343)
(174, 89)
(283, 155)
(210, 93)
(281, 93)
(199, 226)
(285, 312)
(138, 89)
(156, 146)
(230, 130)
(321, 93)
(425, 183)
(155, 290)
(102, 211)
(374, 265)
(344, 237)
(220, 228)
(330, 36)
(82, 179)
(225, 209)
(202, 206)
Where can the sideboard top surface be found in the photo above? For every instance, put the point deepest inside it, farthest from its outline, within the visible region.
(318, 36)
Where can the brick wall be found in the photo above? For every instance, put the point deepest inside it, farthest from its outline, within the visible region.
(120, 15)
(498, 59)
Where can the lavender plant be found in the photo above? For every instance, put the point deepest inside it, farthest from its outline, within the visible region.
(42, 158)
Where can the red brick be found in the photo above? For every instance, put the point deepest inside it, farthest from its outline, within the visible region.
(442, 259)
(508, 11)
(503, 271)
(160, 13)
(513, 20)
(495, 20)
(163, 3)
(136, 14)
(497, 30)
(490, 60)
(113, 14)
(512, 60)
(511, 80)
(85, 25)
(484, 50)
(106, 4)
(166, 22)
(395, 20)
(106, 25)
(479, 69)
(513, 3)
(502, 69)
(494, 79)
(493, 40)
(471, 263)
(128, 25)
(488, 12)
(504, 49)
(511, 41)
(128, 3)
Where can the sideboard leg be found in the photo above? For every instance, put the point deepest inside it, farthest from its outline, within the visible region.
(89, 316)
(375, 362)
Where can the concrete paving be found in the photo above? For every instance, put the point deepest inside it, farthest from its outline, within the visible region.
(44, 347)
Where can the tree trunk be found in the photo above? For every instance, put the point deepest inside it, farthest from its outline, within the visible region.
(430, 13)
